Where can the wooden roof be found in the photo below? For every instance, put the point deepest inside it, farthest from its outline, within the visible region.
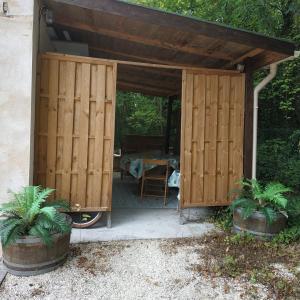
(121, 31)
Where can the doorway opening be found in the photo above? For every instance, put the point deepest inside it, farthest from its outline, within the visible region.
(147, 135)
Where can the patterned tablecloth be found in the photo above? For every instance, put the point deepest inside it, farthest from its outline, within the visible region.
(135, 161)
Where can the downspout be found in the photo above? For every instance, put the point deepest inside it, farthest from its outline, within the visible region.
(258, 88)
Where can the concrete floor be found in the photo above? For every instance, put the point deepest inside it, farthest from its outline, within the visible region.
(147, 223)
(126, 194)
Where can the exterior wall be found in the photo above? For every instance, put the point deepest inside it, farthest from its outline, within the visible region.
(17, 63)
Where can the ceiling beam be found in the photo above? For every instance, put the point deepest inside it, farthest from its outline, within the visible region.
(175, 74)
(135, 57)
(121, 34)
(144, 88)
(152, 17)
(262, 60)
(245, 56)
(143, 79)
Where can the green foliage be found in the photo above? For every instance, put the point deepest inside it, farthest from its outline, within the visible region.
(279, 160)
(29, 214)
(138, 114)
(223, 219)
(269, 200)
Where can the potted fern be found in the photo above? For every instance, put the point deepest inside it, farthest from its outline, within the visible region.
(260, 210)
(35, 235)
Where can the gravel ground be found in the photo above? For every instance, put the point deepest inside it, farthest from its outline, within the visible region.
(128, 270)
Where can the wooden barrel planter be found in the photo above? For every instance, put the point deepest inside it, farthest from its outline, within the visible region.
(30, 256)
(257, 224)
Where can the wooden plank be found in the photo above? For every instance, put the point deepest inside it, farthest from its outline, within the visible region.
(238, 126)
(210, 138)
(100, 100)
(182, 139)
(83, 132)
(188, 137)
(68, 130)
(201, 102)
(195, 134)
(52, 122)
(223, 137)
(66, 57)
(109, 133)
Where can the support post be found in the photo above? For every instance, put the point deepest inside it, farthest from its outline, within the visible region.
(169, 123)
(108, 219)
(248, 125)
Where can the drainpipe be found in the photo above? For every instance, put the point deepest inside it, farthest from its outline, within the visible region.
(258, 88)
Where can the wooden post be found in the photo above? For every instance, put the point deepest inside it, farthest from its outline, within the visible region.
(248, 125)
(169, 123)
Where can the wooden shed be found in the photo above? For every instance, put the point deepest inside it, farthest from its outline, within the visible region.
(133, 48)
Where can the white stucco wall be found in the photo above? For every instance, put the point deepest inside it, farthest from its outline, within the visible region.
(17, 63)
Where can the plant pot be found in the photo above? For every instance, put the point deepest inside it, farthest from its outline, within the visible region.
(30, 256)
(257, 224)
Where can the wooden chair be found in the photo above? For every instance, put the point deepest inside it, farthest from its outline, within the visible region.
(157, 174)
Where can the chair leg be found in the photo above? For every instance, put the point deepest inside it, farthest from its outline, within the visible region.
(142, 188)
(166, 192)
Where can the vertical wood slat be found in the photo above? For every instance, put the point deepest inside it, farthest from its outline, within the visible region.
(99, 132)
(182, 138)
(52, 122)
(188, 136)
(238, 124)
(83, 133)
(216, 160)
(68, 130)
(211, 138)
(113, 87)
(223, 137)
(201, 139)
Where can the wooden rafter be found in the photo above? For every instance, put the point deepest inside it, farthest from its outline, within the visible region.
(248, 54)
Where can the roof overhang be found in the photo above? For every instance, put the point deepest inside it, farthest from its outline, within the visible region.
(121, 31)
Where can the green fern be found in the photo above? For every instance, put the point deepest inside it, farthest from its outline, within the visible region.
(269, 200)
(29, 214)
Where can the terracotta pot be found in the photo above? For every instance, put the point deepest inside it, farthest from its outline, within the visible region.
(30, 256)
(257, 224)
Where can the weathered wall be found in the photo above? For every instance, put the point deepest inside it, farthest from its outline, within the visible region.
(17, 62)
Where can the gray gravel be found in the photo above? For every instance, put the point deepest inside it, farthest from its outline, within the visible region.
(145, 269)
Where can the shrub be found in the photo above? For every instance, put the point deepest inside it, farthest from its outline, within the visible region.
(29, 214)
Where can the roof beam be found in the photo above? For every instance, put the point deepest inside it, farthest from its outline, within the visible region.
(135, 57)
(180, 23)
(262, 60)
(248, 54)
(128, 86)
(177, 74)
(138, 38)
(148, 81)
(147, 86)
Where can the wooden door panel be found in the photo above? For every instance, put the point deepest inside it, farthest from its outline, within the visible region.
(75, 114)
(211, 136)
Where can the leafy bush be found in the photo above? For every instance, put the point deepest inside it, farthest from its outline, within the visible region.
(29, 214)
(279, 160)
(269, 200)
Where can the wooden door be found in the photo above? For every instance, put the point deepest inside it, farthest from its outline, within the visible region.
(75, 117)
(211, 137)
